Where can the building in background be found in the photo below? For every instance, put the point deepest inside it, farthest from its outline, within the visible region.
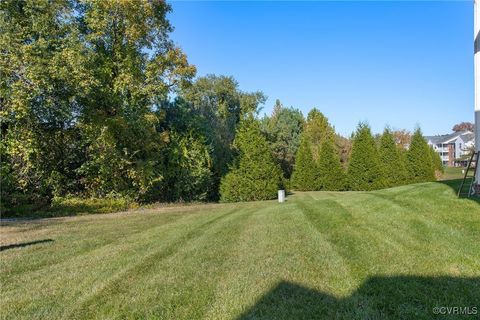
(454, 148)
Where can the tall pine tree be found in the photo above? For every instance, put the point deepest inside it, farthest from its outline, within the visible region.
(305, 173)
(331, 175)
(256, 176)
(419, 160)
(393, 165)
(364, 171)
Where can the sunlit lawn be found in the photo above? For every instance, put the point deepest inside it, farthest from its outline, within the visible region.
(454, 173)
(395, 253)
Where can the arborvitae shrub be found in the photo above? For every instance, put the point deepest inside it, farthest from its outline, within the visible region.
(403, 154)
(437, 163)
(393, 165)
(331, 175)
(305, 173)
(255, 176)
(364, 172)
(419, 160)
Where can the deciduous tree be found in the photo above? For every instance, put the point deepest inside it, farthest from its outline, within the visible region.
(463, 126)
(79, 93)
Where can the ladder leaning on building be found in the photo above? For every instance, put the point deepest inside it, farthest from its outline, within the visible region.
(472, 167)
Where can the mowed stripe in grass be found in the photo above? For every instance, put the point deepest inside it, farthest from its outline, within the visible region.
(181, 274)
(390, 253)
(279, 244)
(67, 282)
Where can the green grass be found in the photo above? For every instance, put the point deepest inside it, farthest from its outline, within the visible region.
(395, 253)
(453, 173)
(71, 206)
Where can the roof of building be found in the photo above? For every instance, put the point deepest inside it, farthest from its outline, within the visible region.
(468, 136)
(447, 138)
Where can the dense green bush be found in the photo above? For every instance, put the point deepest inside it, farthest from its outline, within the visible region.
(419, 160)
(331, 175)
(188, 173)
(255, 176)
(364, 170)
(391, 161)
(305, 175)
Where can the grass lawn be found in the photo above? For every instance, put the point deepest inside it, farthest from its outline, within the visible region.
(394, 253)
(454, 173)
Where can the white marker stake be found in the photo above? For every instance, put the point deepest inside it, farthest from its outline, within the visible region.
(476, 19)
(281, 196)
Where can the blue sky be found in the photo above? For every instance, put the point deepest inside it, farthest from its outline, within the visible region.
(400, 64)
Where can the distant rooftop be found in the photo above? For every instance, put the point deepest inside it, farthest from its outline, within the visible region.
(447, 138)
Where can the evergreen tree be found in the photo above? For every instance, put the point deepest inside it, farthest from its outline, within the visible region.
(317, 130)
(419, 160)
(364, 170)
(218, 105)
(305, 175)
(330, 169)
(256, 176)
(436, 162)
(283, 130)
(392, 163)
(344, 147)
(403, 156)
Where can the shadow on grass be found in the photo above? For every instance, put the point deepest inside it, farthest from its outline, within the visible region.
(398, 297)
(455, 185)
(62, 207)
(24, 244)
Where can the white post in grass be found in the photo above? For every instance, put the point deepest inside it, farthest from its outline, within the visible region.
(281, 195)
(476, 18)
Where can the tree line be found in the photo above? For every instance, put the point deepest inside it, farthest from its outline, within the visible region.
(97, 101)
(310, 158)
